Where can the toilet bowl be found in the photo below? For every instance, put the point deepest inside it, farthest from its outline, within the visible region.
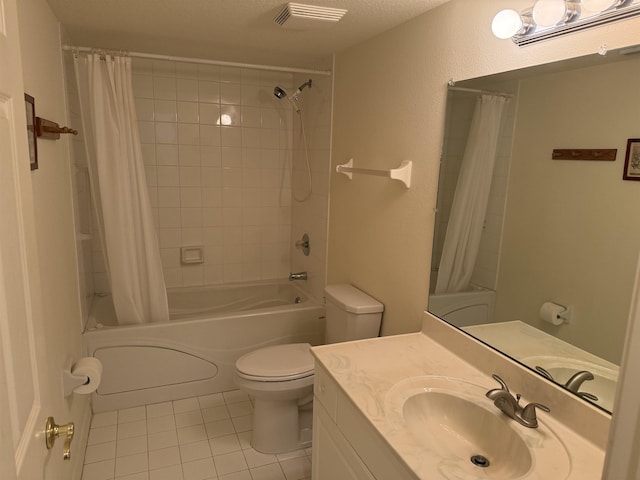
(280, 381)
(279, 378)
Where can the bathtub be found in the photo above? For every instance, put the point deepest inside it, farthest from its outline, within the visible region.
(195, 352)
(464, 309)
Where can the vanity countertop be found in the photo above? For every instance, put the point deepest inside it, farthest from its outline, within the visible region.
(367, 370)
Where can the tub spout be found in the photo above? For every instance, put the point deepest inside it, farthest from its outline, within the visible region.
(297, 276)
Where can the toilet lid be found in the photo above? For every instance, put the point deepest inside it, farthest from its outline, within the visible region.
(278, 362)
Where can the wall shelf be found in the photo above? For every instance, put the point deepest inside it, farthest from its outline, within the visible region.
(402, 173)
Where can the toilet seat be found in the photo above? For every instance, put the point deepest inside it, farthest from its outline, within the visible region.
(278, 363)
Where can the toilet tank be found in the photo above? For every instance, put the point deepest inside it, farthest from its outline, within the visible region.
(351, 314)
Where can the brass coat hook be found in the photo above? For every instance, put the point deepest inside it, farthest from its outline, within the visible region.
(51, 130)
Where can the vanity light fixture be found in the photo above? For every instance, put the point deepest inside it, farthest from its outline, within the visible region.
(552, 18)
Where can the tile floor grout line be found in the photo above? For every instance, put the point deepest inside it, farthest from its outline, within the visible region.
(188, 454)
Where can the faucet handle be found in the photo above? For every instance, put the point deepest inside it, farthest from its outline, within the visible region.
(587, 396)
(502, 383)
(529, 413)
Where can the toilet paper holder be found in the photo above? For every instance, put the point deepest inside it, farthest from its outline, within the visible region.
(566, 315)
(82, 376)
(550, 312)
(71, 380)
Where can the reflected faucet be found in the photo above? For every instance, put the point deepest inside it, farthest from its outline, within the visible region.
(574, 383)
(510, 405)
(297, 276)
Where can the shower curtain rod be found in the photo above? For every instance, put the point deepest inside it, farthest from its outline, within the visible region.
(477, 90)
(204, 61)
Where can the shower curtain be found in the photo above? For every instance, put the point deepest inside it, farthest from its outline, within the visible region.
(464, 230)
(119, 191)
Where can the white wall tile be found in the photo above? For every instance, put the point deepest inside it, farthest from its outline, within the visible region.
(230, 74)
(231, 157)
(186, 70)
(187, 89)
(209, 114)
(209, 135)
(168, 176)
(164, 88)
(209, 72)
(189, 155)
(144, 109)
(190, 176)
(209, 92)
(166, 133)
(147, 133)
(142, 86)
(165, 111)
(188, 134)
(188, 112)
(231, 137)
(166, 154)
(190, 197)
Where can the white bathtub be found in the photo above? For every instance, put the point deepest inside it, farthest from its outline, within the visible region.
(195, 353)
(464, 309)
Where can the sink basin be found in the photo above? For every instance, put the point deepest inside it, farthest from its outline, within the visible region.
(561, 369)
(464, 436)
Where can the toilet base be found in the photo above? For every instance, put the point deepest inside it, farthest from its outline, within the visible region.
(280, 426)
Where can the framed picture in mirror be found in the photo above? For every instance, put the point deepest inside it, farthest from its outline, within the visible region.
(30, 110)
(632, 160)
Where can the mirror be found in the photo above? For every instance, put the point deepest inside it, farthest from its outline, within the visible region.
(557, 232)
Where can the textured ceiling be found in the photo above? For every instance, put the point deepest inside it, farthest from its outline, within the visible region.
(229, 30)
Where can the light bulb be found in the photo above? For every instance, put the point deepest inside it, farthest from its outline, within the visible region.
(547, 13)
(506, 24)
(601, 5)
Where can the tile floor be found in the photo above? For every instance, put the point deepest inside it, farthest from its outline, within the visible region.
(199, 438)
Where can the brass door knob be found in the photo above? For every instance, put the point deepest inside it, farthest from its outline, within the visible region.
(53, 431)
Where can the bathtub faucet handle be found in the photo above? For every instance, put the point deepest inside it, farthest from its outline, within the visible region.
(297, 276)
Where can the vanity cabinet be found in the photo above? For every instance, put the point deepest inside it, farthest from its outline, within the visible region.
(345, 445)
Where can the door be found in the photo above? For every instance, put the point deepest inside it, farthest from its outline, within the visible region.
(24, 403)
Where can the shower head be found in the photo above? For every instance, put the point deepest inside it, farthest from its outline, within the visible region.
(280, 93)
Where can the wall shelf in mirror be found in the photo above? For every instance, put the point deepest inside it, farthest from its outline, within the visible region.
(402, 173)
(596, 154)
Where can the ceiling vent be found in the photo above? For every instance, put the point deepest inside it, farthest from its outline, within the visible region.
(297, 15)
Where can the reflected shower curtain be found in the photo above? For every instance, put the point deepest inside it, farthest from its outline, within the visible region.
(119, 189)
(470, 199)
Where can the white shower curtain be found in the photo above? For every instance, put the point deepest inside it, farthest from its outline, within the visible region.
(119, 188)
(471, 196)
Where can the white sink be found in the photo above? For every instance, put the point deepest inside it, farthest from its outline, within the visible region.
(561, 369)
(466, 437)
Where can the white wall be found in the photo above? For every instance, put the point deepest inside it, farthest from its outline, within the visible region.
(390, 95)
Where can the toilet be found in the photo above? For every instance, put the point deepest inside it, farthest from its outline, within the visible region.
(280, 377)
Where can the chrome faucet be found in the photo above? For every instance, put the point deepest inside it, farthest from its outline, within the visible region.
(297, 276)
(574, 383)
(510, 405)
(577, 379)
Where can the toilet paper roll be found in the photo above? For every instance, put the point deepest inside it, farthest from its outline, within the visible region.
(91, 368)
(550, 312)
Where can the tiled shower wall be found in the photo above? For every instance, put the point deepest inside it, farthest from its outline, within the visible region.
(311, 216)
(219, 148)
